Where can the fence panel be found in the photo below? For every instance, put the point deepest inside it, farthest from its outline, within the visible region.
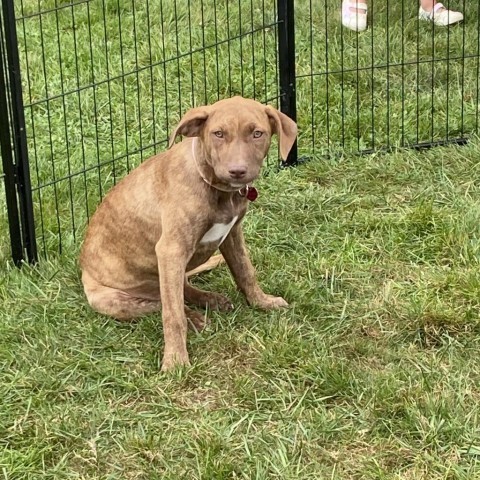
(403, 82)
(106, 80)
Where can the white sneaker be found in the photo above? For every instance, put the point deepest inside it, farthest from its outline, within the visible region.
(440, 15)
(354, 20)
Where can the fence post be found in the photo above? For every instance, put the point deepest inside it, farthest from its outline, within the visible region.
(14, 143)
(8, 169)
(286, 61)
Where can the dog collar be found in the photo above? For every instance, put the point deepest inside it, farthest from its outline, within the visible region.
(248, 191)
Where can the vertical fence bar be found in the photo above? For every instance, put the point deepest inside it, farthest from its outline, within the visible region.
(20, 165)
(286, 60)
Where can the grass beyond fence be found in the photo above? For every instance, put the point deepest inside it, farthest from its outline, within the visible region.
(372, 373)
(402, 82)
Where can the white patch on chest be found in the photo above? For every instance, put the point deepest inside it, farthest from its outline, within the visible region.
(218, 233)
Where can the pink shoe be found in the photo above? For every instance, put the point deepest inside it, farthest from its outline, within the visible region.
(440, 15)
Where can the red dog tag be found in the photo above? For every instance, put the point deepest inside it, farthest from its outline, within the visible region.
(252, 193)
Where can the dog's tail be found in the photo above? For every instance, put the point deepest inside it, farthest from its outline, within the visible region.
(211, 263)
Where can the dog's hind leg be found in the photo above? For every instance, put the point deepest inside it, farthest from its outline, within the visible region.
(203, 299)
(197, 321)
(116, 303)
(120, 305)
(123, 306)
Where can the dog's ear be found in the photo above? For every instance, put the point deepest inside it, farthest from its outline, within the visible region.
(191, 124)
(284, 127)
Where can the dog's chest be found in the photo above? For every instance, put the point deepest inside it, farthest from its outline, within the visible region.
(218, 232)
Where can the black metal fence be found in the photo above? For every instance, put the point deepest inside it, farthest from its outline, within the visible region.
(90, 88)
(403, 82)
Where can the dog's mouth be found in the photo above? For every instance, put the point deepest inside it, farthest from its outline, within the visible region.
(236, 183)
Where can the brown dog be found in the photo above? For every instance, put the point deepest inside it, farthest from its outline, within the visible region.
(169, 215)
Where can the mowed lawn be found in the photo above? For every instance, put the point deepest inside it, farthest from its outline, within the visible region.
(372, 372)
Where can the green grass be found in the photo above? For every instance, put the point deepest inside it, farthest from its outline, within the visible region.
(373, 371)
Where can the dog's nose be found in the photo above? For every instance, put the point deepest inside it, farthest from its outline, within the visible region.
(237, 171)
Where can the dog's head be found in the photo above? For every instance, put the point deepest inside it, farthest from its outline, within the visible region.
(235, 136)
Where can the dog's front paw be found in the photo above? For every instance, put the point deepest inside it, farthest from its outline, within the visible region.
(269, 302)
(173, 359)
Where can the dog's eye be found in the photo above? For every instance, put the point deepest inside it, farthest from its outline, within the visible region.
(257, 134)
(218, 134)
